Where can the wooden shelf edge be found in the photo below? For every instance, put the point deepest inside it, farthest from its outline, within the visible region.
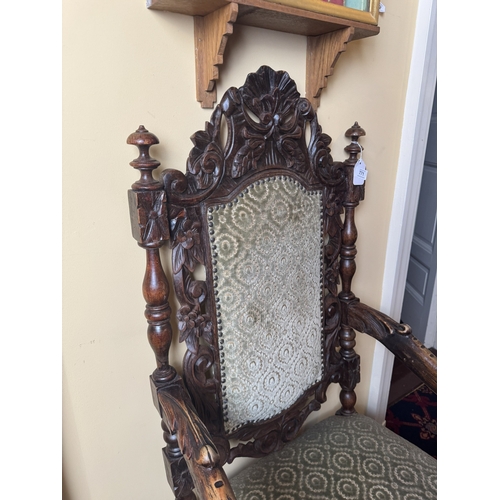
(188, 7)
(268, 15)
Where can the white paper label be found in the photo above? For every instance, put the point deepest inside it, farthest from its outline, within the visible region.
(381, 7)
(360, 173)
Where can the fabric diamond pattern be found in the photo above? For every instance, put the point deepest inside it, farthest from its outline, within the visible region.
(341, 458)
(267, 259)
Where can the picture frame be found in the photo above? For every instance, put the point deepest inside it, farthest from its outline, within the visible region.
(364, 11)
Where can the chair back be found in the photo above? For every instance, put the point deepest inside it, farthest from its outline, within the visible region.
(261, 212)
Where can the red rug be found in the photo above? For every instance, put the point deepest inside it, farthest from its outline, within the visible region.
(414, 418)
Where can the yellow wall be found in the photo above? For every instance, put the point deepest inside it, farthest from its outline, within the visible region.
(124, 66)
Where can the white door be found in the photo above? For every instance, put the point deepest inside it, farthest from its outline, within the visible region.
(420, 290)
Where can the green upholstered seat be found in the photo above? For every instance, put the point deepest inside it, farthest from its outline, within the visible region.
(342, 457)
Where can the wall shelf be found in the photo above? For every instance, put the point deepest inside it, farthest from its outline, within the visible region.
(327, 35)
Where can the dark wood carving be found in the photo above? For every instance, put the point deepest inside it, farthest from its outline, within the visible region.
(350, 375)
(178, 475)
(266, 123)
(192, 460)
(190, 456)
(266, 135)
(148, 215)
(397, 338)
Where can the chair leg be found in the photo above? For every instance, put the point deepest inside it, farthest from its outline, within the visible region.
(176, 468)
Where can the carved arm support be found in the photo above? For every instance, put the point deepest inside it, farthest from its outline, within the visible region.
(397, 338)
(194, 441)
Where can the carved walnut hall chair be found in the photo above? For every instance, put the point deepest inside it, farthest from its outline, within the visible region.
(270, 217)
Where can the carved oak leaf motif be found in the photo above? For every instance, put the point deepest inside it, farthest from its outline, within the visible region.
(327, 170)
(291, 150)
(187, 250)
(248, 156)
(152, 215)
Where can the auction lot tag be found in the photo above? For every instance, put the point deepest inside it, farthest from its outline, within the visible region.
(360, 173)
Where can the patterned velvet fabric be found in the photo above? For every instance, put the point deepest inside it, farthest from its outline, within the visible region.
(348, 458)
(267, 248)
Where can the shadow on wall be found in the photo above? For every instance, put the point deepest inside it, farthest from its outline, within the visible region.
(65, 494)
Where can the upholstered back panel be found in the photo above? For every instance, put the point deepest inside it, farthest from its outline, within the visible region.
(267, 251)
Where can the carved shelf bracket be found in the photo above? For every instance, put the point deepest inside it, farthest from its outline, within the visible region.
(210, 39)
(323, 52)
(327, 35)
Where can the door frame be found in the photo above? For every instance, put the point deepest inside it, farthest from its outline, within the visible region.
(418, 106)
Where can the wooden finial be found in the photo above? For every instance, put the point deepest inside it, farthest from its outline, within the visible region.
(355, 132)
(147, 200)
(144, 139)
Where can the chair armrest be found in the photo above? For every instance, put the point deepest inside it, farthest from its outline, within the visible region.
(194, 441)
(397, 337)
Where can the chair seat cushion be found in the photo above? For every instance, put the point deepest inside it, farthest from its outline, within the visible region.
(342, 457)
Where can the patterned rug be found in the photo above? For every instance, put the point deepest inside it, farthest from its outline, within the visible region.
(415, 418)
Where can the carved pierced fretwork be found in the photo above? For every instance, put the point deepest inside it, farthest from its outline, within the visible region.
(196, 325)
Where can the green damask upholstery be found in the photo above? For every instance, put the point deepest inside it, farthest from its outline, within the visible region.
(342, 457)
(267, 248)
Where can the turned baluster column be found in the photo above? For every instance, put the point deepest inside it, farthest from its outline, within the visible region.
(150, 227)
(347, 336)
(149, 218)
